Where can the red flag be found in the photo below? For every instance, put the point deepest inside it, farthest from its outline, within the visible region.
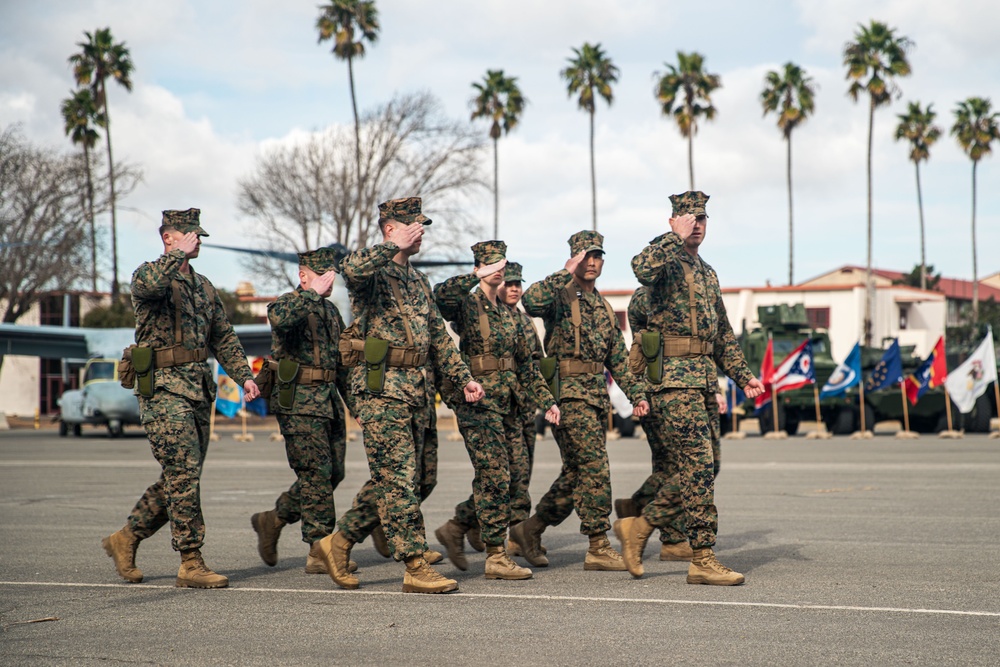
(766, 374)
(932, 373)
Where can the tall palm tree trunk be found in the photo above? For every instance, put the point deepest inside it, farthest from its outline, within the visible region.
(691, 160)
(593, 174)
(357, 140)
(111, 185)
(90, 217)
(923, 247)
(496, 190)
(975, 272)
(869, 284)
(791, 244)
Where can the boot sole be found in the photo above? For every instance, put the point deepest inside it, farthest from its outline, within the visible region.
(505, 577)
(707, 582)
(184, 583)
(106, 543)
(254, 521)
(410, 588)
(593, 567)
(636, 572)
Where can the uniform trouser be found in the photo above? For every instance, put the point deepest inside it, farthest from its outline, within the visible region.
(496, 447)
(584, 483)
(177, 429)
(403, 470)
(315, 448)
(663, 473)
(688, 430)
(527, 419)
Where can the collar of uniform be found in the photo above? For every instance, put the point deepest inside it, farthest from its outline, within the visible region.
(401, 272)
(481, 295)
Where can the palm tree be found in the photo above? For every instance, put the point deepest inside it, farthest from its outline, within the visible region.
(976, 126)
(694, 86)
(790, 96)
(350, 23)
(875, 57)
(917, 127)
(80, 115)
(498, 99)
(590, 70)
(101, 58)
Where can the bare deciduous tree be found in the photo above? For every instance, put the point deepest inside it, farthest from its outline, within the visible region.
(305, 195)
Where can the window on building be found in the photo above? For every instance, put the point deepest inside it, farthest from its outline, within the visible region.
(50, 309)
(904, 317)
(819, 318)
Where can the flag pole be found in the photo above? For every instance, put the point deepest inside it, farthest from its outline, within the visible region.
(774, 407)
(733, 415)
(996, 392)
(861, 387)
(819, 417)
(951, 433)
(906, 433)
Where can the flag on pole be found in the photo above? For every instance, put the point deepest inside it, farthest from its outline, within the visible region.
(932, 373)
(888, 371)
(844, 376)
(228, 394)
(969, 381)
(732, 388)
(258, 405)
(796, 370)
(766, 373)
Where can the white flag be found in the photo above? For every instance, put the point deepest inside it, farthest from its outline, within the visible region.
(970, 380)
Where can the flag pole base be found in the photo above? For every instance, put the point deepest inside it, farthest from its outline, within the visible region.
(951, 435)
(735, 435)
(995, 435)
(819, 435)
(243, 437)
(276, 437)
(214, 437)
(776, 435)
(351, 436)
(862, 435)
(907, 435)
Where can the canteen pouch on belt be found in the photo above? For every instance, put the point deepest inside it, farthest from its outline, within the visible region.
(142, 363)
(376, 356)
(288, 370)
(549, 366)
(652, 350)
(265, 379)
(126, 373)
(636, 360)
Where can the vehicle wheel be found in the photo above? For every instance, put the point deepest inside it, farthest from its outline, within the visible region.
(842, 422)
(77, 430)
(978, 421)
(766, 420)
(869, 419)
(115, 429)
(63, 429)
(792, 425)
(626, 427)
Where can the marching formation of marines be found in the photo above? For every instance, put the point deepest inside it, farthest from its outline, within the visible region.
(390, 364)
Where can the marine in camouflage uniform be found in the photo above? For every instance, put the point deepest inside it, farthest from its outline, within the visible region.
(305, 329)
(686, 308)
(178, 313)
(392, 303)
(582, 333)
(495, 344)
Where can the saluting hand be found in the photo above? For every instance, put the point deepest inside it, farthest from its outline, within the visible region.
(474, 392)
(552, 415)
(188, 243)
(754, 388)
(250, 391)
(682, 225)
(323, 283)
(490, 269)
(575, 260)
(641, 409)
(407, 236)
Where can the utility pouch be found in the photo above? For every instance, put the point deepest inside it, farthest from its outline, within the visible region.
(376, 356)
(142, 363)
(652, 351)
(636, 360)
(288, 370)
(265, 379)
(549, 366)
(351, 353)
(126, 372)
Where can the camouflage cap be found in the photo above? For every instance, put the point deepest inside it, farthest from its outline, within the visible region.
(406, 211)
(489, 252)
(184, 221)
(692, 202)
(320, 260)
(585, 241)
(512, 273)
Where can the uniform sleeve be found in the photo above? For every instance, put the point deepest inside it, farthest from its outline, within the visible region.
(450, 296)
(726, 350)
(445, 354)
(226, 346)
(542, 298)
(152, 279)
(650, 265)
(528, 374)
(361, 265)
(343, 381)
(617, 363)
(638, 307)
(291, 310)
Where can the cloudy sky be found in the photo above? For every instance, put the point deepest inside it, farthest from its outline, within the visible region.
(216, 83)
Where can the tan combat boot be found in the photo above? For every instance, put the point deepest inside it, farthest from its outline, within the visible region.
(528, 537)
(316, 565)
(121, 546)
(633, 532)
(268, 527)
(500, 566)
(335, 550)
(475, 537)
(680, 551)
(195, 574)
(602, 556)
(432, 556)
(625, 507)
(705, 568)
(380, 542)
(452, 536)
(514, 549)
(422, 578)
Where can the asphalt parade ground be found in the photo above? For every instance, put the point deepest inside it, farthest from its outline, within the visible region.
(869, 552)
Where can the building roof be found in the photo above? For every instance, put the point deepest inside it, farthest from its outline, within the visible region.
(952, 288)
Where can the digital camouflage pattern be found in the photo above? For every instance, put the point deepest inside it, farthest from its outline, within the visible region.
(176, 418)
(489, 252)
(314, 429)
(185, 221)
(512, 272)
(526, 411)
(406, 210)
(660, 267)
(692, 202)
(203, 325)
(320, 260)
(585, 241)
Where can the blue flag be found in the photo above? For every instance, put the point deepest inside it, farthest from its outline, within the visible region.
(228, 395)
(888, 371)
(740, 396)
(844, 376)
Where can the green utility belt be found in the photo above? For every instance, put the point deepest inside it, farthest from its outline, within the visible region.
(549, 367)
(376, 358)
(288, 372)
(652, 352)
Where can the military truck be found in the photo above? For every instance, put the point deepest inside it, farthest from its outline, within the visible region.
(788, 326)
